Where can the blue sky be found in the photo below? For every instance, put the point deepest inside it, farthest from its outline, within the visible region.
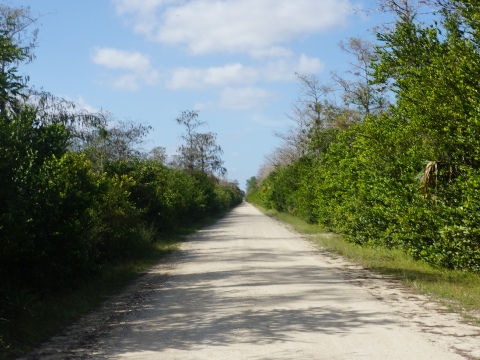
(233, 60)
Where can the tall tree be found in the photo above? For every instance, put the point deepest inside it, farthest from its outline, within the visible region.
(252, 185)
(358, 87)
(200, 151)
(159, 154)
(17, 43)
(188, 151)
(118, 141)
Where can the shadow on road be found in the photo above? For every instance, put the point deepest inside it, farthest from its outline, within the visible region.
(261, 296)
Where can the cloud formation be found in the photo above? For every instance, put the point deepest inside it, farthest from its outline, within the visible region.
(263, 30)
(232, 26)
(238, 98)
(82, 104)
(244, 98)
(135, 68)
(238, 74)
(195, 78)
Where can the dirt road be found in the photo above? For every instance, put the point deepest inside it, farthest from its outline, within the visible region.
(247, 288)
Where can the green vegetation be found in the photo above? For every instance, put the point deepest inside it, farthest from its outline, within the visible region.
(41, 316)
(82, 210)
(456, 289)
(403, 176)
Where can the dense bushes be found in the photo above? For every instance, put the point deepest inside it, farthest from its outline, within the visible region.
(67, 215)
(376, 197)
(60, 220)
(168, 198)
(63, 219)
(407, 177)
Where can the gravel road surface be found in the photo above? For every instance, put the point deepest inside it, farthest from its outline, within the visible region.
(248, 288)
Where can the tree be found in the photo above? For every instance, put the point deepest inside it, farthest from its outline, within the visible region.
(188, 151)
(312, 111)
(358, 89)
(17, 43)
(200, 151)
(15, 23)
(117, 142)
(432, 69)
(209, 152)
(252, 186)
(305, 112)
(159, 154)
(264, 170)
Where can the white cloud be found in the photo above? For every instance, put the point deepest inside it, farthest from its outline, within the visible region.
(244, 98)
(307, 65)
(143, 6)
(237, 98)
(145, 20)
(238, 74)
(233, 26)
(82, 104)
(125, 82)
(136, 67)
(272, 52)
(119, 59)
(194, 78)
(285, 69)
(199, 106)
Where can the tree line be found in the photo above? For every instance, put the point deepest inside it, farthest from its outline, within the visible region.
(77, 193)
(389, 154)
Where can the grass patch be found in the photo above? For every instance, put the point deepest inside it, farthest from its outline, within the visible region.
(38, 318)
(458, 290)
(296, 223)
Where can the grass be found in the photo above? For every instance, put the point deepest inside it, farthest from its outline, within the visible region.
(458, 290)
(40, 318)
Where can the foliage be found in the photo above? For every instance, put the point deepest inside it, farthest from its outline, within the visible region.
(17, 43)
(62, 218)
(200, 151)
(405, 177)
(252, 189)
